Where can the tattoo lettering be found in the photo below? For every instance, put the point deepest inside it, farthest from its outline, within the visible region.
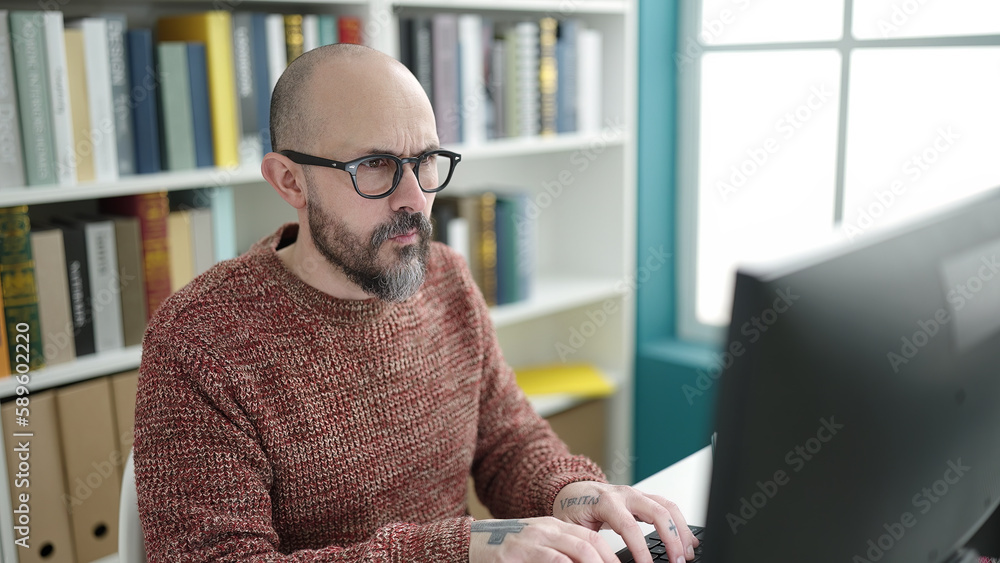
(498, 530)
(587, 499)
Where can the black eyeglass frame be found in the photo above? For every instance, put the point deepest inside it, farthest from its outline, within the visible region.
(351, 167)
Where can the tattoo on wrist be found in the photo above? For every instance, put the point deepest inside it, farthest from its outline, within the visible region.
(498, 529)
(586, 499)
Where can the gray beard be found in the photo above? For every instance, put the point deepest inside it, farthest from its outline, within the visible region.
(358, 258)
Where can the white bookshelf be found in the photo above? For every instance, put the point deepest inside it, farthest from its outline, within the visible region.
(586, 233)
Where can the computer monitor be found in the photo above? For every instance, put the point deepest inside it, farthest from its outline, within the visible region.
(859, 418)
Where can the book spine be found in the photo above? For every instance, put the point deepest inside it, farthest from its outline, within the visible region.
(31, 75)
(310, 32)
(202, 243)
(277, 53)
(224, 222)
(151, 209)
(11, 155)
(547, 74)
(176, 122)
(105, 291)
(472, 98)
(20, 293)
(128, 238)
(590, 81)
(261, 80)
(201, 114)
(423, 54)
(526, 226)
(349, 29)
(505, 249)
(328, 29)
(5, 366)
(102, 110)
(445, 72)
(567, 66)
(53, 296)
(488, 247)
(529, 118)
(79, 103)
(293, 36)
(250, 147)
(77, 275)
(145, 114)
(62, 122)
(179, 248)
(120, 83)
(512, 87)
(498, 88)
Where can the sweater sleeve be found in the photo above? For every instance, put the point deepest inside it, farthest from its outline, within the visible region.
(520, 464)
(203, 479)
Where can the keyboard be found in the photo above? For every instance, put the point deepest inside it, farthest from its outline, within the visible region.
(659, 551)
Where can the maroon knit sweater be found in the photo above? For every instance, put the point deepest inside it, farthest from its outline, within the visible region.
(277, 423)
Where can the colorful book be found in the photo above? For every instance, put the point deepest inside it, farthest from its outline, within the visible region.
(488, 247)
(151, 209)
(20, 293)
(32, 79)
(5, 367)
(566, 64)
(548, 79)
(579, 380)
(214, 29)
(177, 149)
(179, 248)
(79, 103)
(11, 155)
(120, 91)
(62, 121)
(446, 79)
(104, 140)
(349, 30)
(145, 113)
(251, 148)
(75, 251)
(132, 281)
(472, 81)
(204, 152)
(53, 294)
(328, 29)
(222, 203)
(293, 37)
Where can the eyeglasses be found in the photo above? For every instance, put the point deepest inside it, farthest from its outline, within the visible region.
(377, 175)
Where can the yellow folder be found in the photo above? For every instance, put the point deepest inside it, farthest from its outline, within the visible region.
(578, 380)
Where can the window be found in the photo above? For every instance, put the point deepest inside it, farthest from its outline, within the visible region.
(799, 121)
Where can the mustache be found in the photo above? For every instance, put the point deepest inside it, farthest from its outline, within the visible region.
(400, 224)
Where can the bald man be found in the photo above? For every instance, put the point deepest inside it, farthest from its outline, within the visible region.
(325, 396)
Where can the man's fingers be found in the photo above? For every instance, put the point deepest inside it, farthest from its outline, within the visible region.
(666, 525)
(594, 539)
(686, 534)
(625, 525)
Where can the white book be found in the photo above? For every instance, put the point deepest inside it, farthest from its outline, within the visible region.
(472, 87)
(62, 119)
(102, 111)
(458, 237)
(105, 287)
(11, 155)
(589, 78)
(277, 56)
(529, 106)
(202, 240)
(310, 32)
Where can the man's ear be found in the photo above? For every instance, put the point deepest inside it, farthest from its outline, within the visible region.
(285, 177)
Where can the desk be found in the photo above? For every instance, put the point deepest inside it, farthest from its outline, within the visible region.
(685, 482)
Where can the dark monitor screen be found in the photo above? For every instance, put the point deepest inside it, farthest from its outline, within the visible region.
(859, 421)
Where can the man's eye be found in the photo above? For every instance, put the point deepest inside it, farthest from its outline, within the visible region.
(375, 163)
(429, 160)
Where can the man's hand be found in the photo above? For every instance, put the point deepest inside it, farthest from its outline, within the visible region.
(542, 540)
(594, 505)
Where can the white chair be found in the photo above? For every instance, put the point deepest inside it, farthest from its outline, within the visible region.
(131, 546)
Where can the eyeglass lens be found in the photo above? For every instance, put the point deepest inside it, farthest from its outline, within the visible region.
(375, 175)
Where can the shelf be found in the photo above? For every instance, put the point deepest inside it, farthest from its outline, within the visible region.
(129, 185)
(522, 146)
(555, 7)
(555, 294)
(91, 365)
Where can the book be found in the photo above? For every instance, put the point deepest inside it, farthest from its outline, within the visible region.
(214, 29)
(506, 271)
(202, 243)
(497, 90)
(277, 53)
(577, 380)
(151, 209)
(310, 32)
(131, 278)
(201, 114)
(221, 203)
(11, 155)
(487, 248)
(446, 81)
(121, 83)
(62, 121)
(103, 139)
(105, 286)
(472, 83)
(260, 66)
(293, 37)
(349, 30)
(527, 82)
(75, 252)
(145, 111)
(511, 93)
(328, 29)
(590, 80)
(177, 148)
(53, 294)
(251, 148)
(423, 54)
(566, 63)
(5, 366)
(32, 80)
(20, 293)
(179, 248)
(547, 74)
(79, 103)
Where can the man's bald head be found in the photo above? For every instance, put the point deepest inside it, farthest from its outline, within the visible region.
(324, 87)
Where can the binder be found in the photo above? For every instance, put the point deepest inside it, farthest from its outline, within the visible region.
(93, 466)
(50, 539)
(124, 387)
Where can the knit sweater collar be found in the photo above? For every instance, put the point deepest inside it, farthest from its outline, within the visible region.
(332, 308)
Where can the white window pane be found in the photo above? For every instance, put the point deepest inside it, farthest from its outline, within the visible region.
(732, 22)
(881, 19)
(923, 129)
(767, 163)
